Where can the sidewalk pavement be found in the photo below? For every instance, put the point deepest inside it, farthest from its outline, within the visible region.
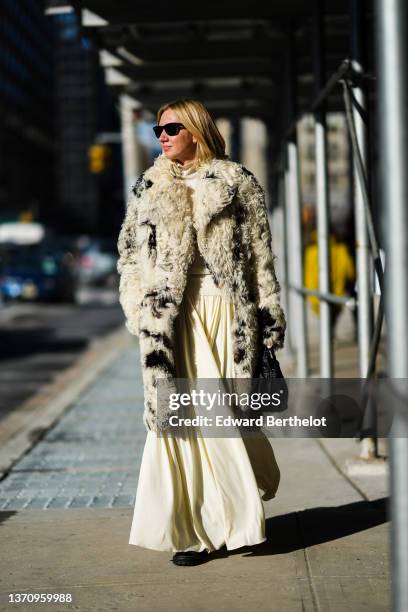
(66, 509)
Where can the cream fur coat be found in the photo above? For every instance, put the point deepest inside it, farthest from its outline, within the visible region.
(156, 247)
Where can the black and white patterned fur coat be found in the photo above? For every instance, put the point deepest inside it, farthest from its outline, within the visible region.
(156, 247)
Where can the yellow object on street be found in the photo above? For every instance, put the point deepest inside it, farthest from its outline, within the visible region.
(341, 267)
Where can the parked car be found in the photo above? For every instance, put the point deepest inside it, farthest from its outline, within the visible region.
(37, 272)
(97, 261)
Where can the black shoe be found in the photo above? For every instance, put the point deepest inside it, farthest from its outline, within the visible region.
(190, 557)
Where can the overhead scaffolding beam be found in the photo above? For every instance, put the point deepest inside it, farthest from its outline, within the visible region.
(128, 11)
(191, 69)
(154, 95)
(153, 46)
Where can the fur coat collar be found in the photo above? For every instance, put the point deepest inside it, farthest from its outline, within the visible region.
(217, 185)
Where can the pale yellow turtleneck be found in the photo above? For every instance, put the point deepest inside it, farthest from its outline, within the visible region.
(189, 176)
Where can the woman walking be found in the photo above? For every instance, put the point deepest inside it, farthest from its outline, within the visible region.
(198, 287)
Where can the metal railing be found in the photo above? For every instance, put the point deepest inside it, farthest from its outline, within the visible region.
(351, 76)
(347, 77)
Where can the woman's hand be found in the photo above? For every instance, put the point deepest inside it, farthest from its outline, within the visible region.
(276, 339)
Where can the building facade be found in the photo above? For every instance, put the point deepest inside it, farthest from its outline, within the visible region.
(27, 126)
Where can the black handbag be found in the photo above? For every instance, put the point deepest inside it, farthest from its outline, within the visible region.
(269, 379)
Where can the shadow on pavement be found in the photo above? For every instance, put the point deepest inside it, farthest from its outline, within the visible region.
(298, 530)
(5, 515)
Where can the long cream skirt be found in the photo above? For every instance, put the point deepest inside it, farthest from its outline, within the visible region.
(197, 493)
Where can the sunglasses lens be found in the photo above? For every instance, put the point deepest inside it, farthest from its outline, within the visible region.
(172, 129)
(157, 129)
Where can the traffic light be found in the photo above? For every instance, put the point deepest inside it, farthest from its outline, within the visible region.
(98, 155)
(26, 216)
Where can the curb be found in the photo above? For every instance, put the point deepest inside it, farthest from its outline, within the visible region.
(20, 431)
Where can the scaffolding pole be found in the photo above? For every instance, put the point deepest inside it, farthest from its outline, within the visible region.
(289, 249)
(392, 53)
(322, 199)
(363, 256)
(282, 197)
(131, 150)
(295, 214)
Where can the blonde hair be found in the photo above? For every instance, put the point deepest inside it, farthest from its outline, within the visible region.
(198, 121)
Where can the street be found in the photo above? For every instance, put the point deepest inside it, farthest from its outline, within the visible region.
(39, 340)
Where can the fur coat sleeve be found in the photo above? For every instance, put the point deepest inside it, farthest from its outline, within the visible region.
(264, 284)
(128, 264)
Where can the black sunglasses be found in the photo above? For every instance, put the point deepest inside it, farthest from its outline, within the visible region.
(171, 129)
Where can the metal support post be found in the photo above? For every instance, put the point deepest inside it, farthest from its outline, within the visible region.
(289, 246)
(363, 257)
(295, 215)
(297, 258)
(285, 262)
(392, 52)
(322, 200)
(131, 153)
